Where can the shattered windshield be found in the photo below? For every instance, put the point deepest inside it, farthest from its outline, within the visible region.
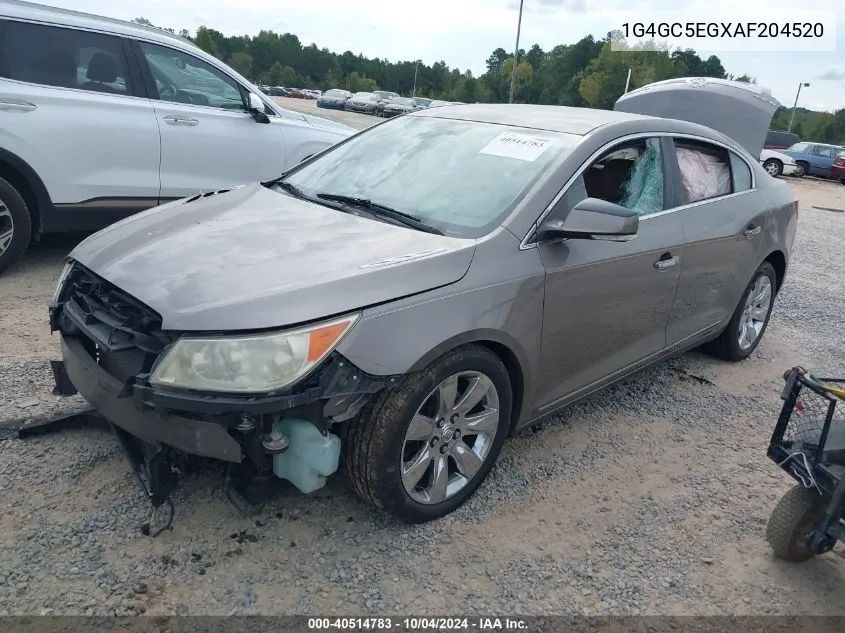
(462, 177)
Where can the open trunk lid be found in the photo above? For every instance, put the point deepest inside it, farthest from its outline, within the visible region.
(738, 110)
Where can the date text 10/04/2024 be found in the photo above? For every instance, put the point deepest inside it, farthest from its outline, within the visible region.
(723, 29)
(417, 624)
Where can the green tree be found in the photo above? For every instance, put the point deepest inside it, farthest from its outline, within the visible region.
(208, 40)
(241, 62)
(289, 77)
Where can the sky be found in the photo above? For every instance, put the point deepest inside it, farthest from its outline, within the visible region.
(463, 33)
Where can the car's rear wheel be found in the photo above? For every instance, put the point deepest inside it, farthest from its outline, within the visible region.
(15, 225)
(801, 170)
(419, 451)
(773, 167)
(750, 319)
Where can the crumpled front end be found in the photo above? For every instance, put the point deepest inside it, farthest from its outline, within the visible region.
(111, 345)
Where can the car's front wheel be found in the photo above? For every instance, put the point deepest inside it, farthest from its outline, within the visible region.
(773, 167)
(419, 451)
(801, 170)
(15, 225)
(750, 319)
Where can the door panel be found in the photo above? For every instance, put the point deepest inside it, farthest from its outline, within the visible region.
(822, 160)
(70, 108)
(608, 303)
(208, 140)
(723, 236)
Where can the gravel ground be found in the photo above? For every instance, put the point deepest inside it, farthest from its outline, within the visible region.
(649, 498)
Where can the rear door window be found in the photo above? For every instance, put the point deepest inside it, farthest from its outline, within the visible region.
(741, 174)
(705, 170)
(65, 58)
(822, 151)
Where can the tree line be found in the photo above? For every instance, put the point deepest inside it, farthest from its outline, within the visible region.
(587, 73)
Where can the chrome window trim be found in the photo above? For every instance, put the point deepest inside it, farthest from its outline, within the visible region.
(525, 245)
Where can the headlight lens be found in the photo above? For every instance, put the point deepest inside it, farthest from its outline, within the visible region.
(249, 364)
(62, 279)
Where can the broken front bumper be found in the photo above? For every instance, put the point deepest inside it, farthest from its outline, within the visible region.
(206, 424)
(107, 395)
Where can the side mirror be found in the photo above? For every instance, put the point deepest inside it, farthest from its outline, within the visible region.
(591, 219)
(257, 109)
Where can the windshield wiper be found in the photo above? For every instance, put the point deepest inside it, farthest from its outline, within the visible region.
(381, 210)
(291, 189)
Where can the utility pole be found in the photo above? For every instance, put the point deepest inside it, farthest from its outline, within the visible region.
(628, 81)
(416, 66)
(795, 105)
(516, 52)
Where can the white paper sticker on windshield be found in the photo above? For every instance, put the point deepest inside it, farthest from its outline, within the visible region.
(518, 146)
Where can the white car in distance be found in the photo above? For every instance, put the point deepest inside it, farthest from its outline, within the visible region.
(777, 164)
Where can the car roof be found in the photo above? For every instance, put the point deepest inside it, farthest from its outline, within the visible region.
(578, 121)
(68, 17)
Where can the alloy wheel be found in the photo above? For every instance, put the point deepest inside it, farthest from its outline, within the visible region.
(7, 228)
(755, 312)
(772, 168)
(450, 437)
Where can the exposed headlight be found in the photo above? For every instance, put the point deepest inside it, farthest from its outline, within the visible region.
(257, 363)
(62, 279)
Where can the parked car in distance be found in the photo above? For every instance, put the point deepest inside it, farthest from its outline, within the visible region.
(398, 105)
(334, 98)
(838, 168)
(776, 139)
(813, 159)
(366, 102)
(385, 95)
(535, 254)
(296, 93)
(778, 163)
(437, 103)
(421, 102)
(102, 118)
(281, 91)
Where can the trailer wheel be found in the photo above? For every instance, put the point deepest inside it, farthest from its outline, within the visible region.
(792, 520)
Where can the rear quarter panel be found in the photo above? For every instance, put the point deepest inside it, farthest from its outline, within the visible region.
(782, 216)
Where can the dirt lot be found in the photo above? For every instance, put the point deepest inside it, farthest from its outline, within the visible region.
(651, 497)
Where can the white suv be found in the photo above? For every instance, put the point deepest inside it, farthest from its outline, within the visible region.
(101, 118)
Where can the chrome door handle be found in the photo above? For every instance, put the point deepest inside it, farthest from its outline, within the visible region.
(16, 106)
(176, 120)
(663, 264)
(751, 231)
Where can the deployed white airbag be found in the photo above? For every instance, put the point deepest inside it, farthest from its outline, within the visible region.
(703, 175)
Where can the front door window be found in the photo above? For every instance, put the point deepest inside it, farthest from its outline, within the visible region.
(183, 78)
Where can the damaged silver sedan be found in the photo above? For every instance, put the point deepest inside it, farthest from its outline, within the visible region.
(399, 304)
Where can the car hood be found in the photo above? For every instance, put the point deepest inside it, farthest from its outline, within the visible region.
(326, 124)
(766, 154)
(252, 258)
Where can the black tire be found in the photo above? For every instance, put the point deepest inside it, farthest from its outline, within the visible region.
(791, 522)
(842, 180)
(773, 167)
(726, 346)
(14, 214)
(374, 442)
(802, 169)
